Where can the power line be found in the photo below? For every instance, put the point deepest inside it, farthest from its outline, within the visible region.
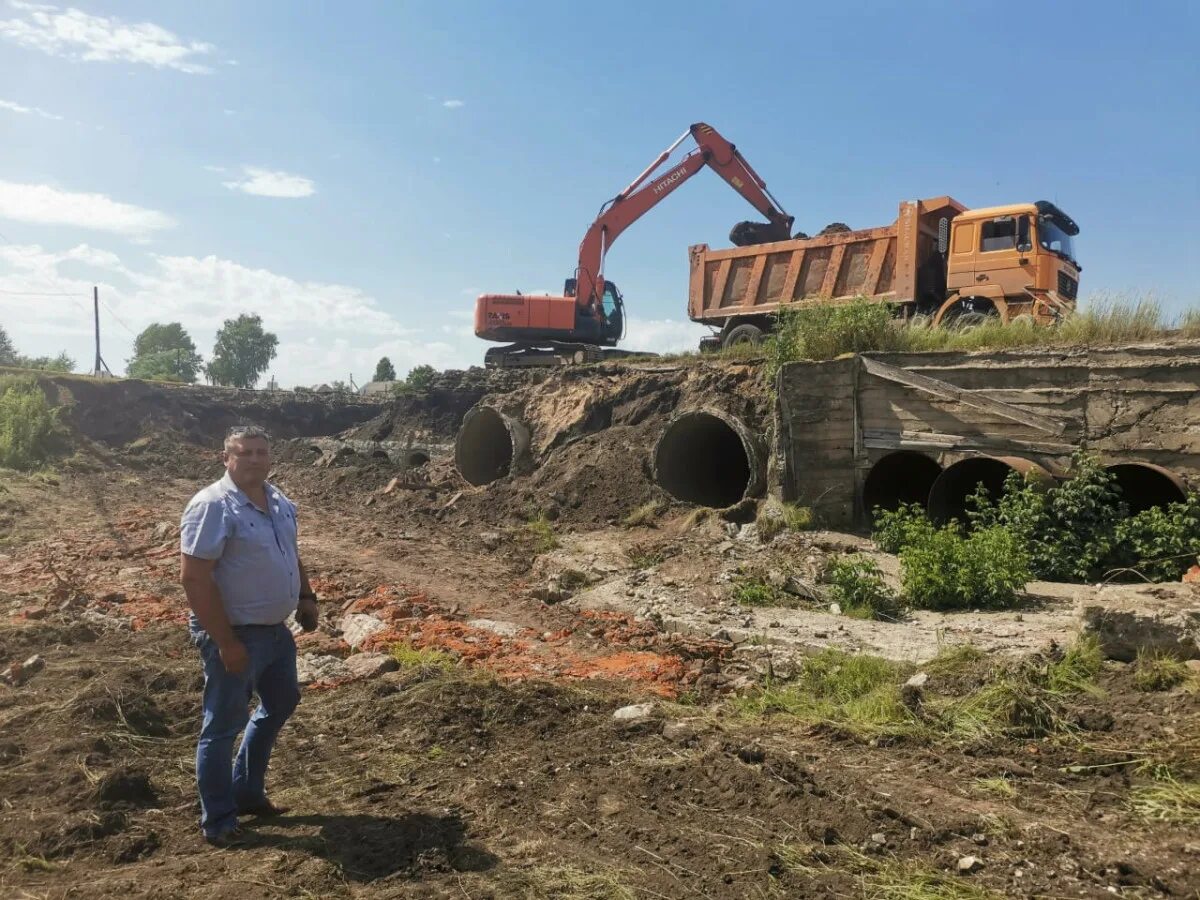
(43, 293)
(119, 322)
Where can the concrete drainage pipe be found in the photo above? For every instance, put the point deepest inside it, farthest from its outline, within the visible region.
(899, 478)
(710, 458)
(489, 445)
(1145, 486)
(949, 493)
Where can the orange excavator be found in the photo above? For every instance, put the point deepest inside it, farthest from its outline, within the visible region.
(590, 316)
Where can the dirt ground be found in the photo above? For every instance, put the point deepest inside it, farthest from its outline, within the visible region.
(490, 764)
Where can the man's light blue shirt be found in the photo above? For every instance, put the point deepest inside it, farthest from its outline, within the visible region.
(258, 563)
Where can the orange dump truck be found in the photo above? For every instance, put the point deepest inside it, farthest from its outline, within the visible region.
(937, 259)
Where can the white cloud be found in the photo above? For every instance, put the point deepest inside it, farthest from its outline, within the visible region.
(663, 335)
(326, 331)
(43, 204)
(453, 104)
(266, 183)
(28, 110)
(76, 35)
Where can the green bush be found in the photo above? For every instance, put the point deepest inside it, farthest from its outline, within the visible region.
(1159, 544)
(755, 591)
(1070, 529)
(26, 424)
(898, 528)
(857, 584)
(947, 570)
(1081, 530)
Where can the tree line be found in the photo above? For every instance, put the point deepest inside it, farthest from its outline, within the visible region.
(166, 352)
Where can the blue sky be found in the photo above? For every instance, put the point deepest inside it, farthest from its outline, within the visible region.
(357, 172)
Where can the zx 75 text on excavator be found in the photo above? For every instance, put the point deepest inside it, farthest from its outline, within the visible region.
(590, 316)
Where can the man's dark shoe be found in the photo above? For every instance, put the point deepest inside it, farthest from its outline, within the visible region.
(265, 809)
(230, 837)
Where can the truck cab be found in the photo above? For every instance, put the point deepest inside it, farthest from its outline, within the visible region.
(1011, 261)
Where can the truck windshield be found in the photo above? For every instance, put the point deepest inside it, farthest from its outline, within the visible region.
(1054, 239)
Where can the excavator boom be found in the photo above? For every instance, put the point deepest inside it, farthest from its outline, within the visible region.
(582, 316)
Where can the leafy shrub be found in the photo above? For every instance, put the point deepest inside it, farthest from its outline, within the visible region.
(1081, 529)
(898, 528)
(26, 424)
(826, 331)
(857, 584)
(947, 570)
(1160, 544)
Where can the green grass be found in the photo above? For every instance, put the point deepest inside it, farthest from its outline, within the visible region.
(542, 531)
(999, 788)
(646, 514)
(954, 658)
(775, 518)
(756, 592)
(1158, 671)
(422, 659)
(857, 584)
(862, 325)
(1168, 800)
(856, 693)
(860, 695)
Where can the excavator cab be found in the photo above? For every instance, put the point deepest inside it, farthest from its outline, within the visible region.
(609, 329)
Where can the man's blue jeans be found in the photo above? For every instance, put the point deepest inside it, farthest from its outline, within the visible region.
(227, 785)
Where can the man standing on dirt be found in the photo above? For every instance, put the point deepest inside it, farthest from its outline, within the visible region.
(241, 571)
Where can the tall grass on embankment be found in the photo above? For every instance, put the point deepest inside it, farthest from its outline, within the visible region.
(825, 332)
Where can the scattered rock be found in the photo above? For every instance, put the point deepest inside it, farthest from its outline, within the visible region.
(322, 644)
(19, 673)
(106, 621)
(912, 691)
(311, 667)
(391, 485)
(490, 539)
(130, 573)
(504, 629)
(165, 531)
(638, 712)
(969, 864)
(370, 665)
(879, 838)
(357, 627)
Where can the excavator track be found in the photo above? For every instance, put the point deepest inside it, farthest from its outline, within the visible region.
(553, 353)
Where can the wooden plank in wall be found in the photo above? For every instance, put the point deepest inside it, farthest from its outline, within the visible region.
(966, 398)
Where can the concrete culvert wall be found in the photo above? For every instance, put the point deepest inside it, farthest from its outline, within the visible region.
(899, 478)
(1145, 486)
(709, 458)
(949, 493)
(488, 445)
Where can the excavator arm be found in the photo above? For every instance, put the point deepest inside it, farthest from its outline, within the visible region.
(642, 195)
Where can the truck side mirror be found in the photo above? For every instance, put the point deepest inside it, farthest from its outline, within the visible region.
(943, 240)
(1024, 245)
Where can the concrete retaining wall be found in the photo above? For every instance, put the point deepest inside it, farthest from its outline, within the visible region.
(1128, 404)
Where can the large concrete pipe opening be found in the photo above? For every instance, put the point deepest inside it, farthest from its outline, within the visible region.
(1145, 486)
(949, 493)
(899, 478)
(709, 458)
(488, 445)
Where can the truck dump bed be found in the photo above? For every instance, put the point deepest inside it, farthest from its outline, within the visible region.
(882, 263)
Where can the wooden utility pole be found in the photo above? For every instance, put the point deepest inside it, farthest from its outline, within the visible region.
(101, 366)
(96, 313)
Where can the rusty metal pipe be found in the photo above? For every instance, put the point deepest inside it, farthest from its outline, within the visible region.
(1145, 485)
(949, 492)
(711, 458)
(902, 477)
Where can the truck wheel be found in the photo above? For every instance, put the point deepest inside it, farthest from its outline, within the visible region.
(742, 334)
